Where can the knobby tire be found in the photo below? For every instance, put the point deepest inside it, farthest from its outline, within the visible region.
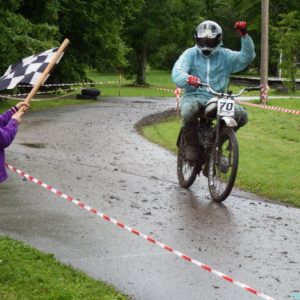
(186, 171)
(223, 168)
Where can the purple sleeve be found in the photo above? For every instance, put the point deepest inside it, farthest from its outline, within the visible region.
(4, 118)
(8, 133)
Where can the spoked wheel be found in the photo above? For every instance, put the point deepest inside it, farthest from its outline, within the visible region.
(223, 166)
(186, 171)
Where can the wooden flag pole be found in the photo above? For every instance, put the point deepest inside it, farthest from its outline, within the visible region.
(48, 69)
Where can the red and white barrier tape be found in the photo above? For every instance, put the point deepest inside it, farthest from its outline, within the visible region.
(58, 84)
(268, 107)
(13, 96)
(136, 232)
(25, 94)
(177, 92)
(73, 83)
(264, 88)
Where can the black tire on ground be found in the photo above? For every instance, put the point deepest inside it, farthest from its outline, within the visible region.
(79, 96)
(90, 92)
(186, 171)
(223, 167)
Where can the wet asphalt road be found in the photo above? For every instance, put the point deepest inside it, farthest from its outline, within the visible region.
(94, 153)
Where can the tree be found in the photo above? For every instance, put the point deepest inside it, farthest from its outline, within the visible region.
(19, 37)
(288, 31)
(125, 34)
(143, 33)
(94, 28)
(38, 11)
(159, 32)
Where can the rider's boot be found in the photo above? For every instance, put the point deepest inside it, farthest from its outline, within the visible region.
(190, 135)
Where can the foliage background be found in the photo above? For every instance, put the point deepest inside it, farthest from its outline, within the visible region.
(129, 36)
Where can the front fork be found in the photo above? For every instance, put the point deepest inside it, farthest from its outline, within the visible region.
(217, 145)
(217, 140)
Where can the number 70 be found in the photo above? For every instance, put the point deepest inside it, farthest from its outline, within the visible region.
(226, 105)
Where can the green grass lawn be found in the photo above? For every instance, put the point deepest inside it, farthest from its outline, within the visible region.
(28, 274)
(269, 151)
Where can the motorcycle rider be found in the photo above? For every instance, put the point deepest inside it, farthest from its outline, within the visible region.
(208, 62)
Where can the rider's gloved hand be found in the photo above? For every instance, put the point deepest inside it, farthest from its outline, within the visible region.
(193, 81)
(241, 27)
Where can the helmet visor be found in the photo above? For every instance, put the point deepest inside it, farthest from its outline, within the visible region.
(206, 42)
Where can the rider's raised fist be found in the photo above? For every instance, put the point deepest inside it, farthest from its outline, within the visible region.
(193, 81)
(241, 27)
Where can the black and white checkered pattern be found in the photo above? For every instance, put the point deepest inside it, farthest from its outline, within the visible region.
(28, 70)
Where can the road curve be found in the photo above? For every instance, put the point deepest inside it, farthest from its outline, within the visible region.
(94, 153)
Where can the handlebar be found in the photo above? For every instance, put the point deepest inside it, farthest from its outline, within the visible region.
(247, 89)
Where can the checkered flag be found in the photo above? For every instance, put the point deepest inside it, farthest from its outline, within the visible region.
(28, 70)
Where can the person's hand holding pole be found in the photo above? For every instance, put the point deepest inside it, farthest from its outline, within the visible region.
(22, 107)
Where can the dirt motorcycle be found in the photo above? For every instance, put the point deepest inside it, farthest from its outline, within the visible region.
(218, 146)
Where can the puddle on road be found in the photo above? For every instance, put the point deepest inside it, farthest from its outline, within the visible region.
(34, 145)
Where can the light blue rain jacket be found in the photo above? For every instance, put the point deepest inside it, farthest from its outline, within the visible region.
(214, 69)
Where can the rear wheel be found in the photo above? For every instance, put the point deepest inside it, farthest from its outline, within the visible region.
(186, 170)
(223, 166)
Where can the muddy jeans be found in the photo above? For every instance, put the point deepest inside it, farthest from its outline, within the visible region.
(190, 106)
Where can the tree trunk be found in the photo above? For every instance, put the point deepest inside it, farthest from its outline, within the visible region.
(141, 66)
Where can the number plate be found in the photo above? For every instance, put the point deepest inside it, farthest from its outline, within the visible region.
(226, 108)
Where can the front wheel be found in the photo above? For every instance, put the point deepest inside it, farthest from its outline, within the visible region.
(223, 166)
(186, 171)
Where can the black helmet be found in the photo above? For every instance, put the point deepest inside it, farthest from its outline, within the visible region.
(208, 37)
